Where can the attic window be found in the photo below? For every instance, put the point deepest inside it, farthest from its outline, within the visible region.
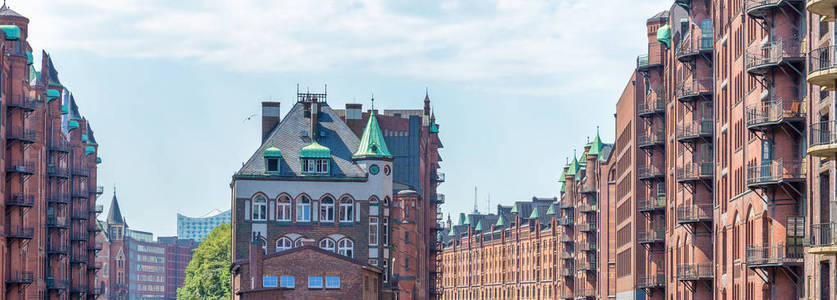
(272, 165)
(315, 166)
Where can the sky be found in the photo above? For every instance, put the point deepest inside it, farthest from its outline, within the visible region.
(516, 86)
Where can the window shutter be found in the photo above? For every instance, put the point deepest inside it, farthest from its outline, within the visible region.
(271, 210)
(247, 210)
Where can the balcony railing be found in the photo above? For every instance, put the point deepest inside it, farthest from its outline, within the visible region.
(694, 44)
(694, 272)
(59, 145)
(654, 103)
(97, 209)
(95, 246)
(22, 102)
(99, 290)
(585, 293)
(761, 57)
(651, 236)
(567, 271)
(78, 258)
(821, 59)
(587, 246)
(776, 255)
(690, 130)
(21, 167)
(78, 288)
(650, 139)
(694, 213)
(642, 61)
(823, 238)
(56, 222)
(654, 203)
(774, 172)
(20, 199)
(58, 171)
(648, 172)
(651, 281)
(80, 214)
(59, 198)
(587, 227)
(20, 277)
(100, 190)
(80, 193)
(688, 88)
(823, 139)
(81, 171)
(439, 199)
(565, 221)
(57, 284)
(440, 177)
(587, 208)
(695, 171)
(588, 266)
(21, 134)
(774, 112)
(566, 238)
(20, 232)
(58, 249)
(79, 236)
(94, 265)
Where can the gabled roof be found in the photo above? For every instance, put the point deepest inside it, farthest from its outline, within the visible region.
(91, 139)
(289, 138)
(372, 144)
(7, 12)
(114, 214)
(573, 166)
(51, 73)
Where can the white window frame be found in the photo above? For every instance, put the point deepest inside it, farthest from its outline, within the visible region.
(283, 209)
(283, 244)
(327, 209)
(373, 231)
(287, 281)
(303, 210)
(346, 247)
(329, 284)
(328, 244)
(311, 282)
(299, 243)
(270, 281)
(385, 230)
(322, 166)
(259, 208)
(347, 213)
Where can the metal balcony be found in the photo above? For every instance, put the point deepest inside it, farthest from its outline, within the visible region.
(823, 239)
(827, 9)
(649, 173)
(655, 203)
(761, 9)
(20, 232)
(20, 277)
(774, 113)
(689, 131)
(58, 198)
(589, 266)
(79, 236)
(79, 258)
(694, 45)
(20, 200)
(60, 145)
(591, 247)
(774, 173)
(774, 256)
(81, 171)
(654, 104)
(694, 272)
(822, 69)
(566, 239)
(439, 177)
(79, 214)
(587, 208)
(656, 138)
(567, 255)
(100, 190)
(20, 102)
(694, 214)
(587, 227)
(95, 246)
(57, 249)
(566, 221)
(567, 271)
(26, 136)
(651, 236)
(823, 140)
(643, 63)
(78, 289)
(80, 193)
(761, 59)
(57, 284)
(95, 292)
(694, 172)
(691, 89)
(439, 199)
(651, 281)
(20, 167)
(97, 209)
(585, 293)
(58, 171)
(57, 222)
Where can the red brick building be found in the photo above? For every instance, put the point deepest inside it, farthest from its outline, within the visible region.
(47, 245)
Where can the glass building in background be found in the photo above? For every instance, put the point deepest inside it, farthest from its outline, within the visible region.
(197, 228)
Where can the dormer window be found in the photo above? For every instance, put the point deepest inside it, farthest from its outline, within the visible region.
(272, 156)
(315, 159)
(315, 166)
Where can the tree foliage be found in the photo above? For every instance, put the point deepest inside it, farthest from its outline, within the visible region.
(208, 274)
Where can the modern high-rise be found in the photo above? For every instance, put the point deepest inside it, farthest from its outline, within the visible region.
(47, 230)
(197, 228)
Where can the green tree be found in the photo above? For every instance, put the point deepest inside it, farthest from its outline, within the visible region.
(208, 274)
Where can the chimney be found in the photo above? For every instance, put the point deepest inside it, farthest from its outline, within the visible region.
(270, 118)
(256, 256)
(354, 118)
(315, 111)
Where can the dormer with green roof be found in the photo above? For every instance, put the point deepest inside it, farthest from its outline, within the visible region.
(315, 159)
(272, 160)
(372, 144)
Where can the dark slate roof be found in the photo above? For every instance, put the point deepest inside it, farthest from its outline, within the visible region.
(74, 114)
(90, 138)
(287, 137)
(607, 150)
(659, 15)
(7, 12)
(114, 214)
(51, 73)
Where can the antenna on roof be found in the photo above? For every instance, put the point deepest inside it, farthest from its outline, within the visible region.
(373, 102)
(489, 202)
(475, 200)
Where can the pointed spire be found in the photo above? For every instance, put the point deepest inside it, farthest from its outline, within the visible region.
(551, 210)
(114, 214)
(596, 145)
(479, 226)
(372, 144)
(452, 232)
(500, 221)
(534, 214)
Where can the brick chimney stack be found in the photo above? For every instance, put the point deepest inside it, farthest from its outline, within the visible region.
(270, 118)
(315, 111)
(256, 256)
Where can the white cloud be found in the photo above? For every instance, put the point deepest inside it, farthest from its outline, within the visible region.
(545, 46)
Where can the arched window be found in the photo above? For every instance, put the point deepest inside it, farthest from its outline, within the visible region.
(264, 244)
(298, 243)
(327, 209)
(283, 209)
(347, 209)
(283, 244)
(303, 209)
(386, 201)
(373, 199)
(327, 244)
(346, 247)
(259, 208)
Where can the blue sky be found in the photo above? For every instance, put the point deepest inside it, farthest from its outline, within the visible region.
(167, 85)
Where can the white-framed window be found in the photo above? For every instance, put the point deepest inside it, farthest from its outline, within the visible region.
(298, 243)
(283, 244)
(373, 230)
(303, 209)
(287, 281)
(270, 281)
(347, 209)
(327, 244)
(283, 208)
(315, 166)
(260, 208)
(373, 199)
(385, 230)
(315, 282)
(332, 282)
(322, 166)
(346, 247)
(327, 209)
